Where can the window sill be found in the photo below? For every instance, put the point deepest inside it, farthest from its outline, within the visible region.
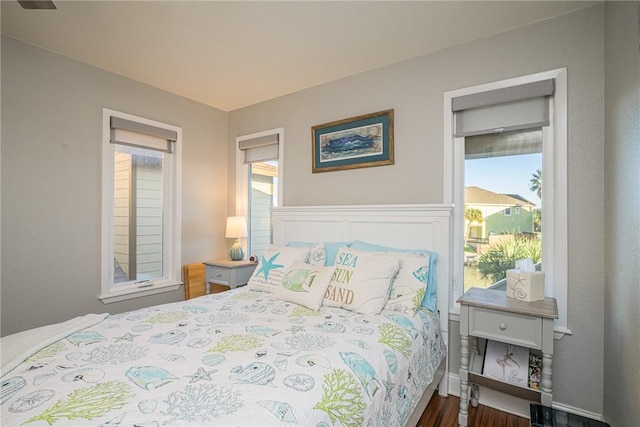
(140, 291)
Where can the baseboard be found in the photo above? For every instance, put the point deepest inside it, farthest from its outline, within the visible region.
(514, 405)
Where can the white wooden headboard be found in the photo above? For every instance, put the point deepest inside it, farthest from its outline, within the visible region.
(399, 226)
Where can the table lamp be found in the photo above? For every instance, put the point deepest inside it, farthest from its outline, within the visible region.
(236, 228)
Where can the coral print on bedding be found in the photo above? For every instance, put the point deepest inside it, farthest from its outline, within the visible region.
(239, 357)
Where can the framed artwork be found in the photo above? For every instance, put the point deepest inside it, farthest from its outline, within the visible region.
(357, 142)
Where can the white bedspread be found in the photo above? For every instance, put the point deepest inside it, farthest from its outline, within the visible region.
(235, 358)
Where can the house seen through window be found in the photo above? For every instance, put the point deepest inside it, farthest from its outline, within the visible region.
(501, 201)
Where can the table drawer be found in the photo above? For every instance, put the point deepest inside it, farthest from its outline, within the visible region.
(511, 328)
(218, 275)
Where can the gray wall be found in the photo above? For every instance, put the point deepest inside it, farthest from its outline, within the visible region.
(51, 179)
(415, 89)
(622, 214)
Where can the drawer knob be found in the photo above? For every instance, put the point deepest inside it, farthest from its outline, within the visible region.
(502, 326)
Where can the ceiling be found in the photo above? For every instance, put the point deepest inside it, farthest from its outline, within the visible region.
(230, 54)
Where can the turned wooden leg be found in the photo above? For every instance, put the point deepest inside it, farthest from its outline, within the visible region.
(545, 380)
(464, 381)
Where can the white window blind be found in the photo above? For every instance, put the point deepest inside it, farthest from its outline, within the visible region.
(508, 109)
(127, 132)
(259, 149)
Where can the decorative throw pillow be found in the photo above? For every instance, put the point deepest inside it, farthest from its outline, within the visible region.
(361, 281)
(322, 253)
(410, 284)
(304, 284)
(430, 298)
(272, 264)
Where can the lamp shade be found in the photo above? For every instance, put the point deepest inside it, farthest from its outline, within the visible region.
(236, 227)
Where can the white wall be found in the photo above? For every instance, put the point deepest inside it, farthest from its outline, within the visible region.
(51, 179)
(414, 89)
(622, 214)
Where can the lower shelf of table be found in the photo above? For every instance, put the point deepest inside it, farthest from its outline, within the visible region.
(476, 377)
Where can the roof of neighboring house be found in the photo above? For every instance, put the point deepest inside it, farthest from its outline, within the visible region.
(480, 196)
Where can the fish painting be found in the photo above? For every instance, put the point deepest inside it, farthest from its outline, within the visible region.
(331, 326)
(281, 410)
(254, 373)
(83, 338)
(422, 273)
(149, 377)
(10, 387)
(403, 403)
(299, 280)
(172, 337)
(405, 324)
(363, 371)
(264, 331)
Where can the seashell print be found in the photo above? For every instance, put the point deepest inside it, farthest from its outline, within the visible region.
(220, 330)
(254, 373)
(39, 379)
(75, 355)
(299, 382)
(141, 328)
(392, 360)
(171, 357)
(297, 320)
(213, 359)
(172, 337)
(282, 410)
(88, 375)
(31, 400)
(199, 342)
(364, 330)
(281, 363)
(195, 309)
(313, 360)
(10, 387)
(331, 326)
(147, 406)
(360, 344)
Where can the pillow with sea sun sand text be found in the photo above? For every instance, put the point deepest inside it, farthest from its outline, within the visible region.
(272, 265)
(410, 284)
(304, 284)
(361, 281)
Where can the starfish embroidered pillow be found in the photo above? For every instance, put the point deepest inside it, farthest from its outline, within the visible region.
(305, 284)
(273, 264)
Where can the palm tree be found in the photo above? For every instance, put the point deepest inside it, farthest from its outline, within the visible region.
(472, 215)
(536, 183)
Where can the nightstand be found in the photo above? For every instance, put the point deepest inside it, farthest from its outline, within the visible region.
(490, 314)
(224, 274)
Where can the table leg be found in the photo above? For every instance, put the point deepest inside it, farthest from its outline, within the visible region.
(464, 381)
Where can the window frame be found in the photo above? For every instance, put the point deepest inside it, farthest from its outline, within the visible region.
(242, 177)
(554, 197)
(172, 211)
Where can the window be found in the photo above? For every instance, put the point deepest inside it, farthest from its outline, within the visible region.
(258, 185)
(140, 207)
(504, 136)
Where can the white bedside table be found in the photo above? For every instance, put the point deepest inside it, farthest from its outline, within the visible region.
(490, 314)
(224, 274)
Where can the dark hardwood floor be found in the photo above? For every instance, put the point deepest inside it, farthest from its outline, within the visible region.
(443, 412)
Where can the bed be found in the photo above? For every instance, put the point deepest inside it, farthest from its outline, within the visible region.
(248, 356)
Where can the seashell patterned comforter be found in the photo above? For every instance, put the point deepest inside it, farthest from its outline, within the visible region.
(239, 357)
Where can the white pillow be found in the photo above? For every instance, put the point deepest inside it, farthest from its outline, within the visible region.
(272, 264)
(305, 284)
(410, 284)
(361, 281)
